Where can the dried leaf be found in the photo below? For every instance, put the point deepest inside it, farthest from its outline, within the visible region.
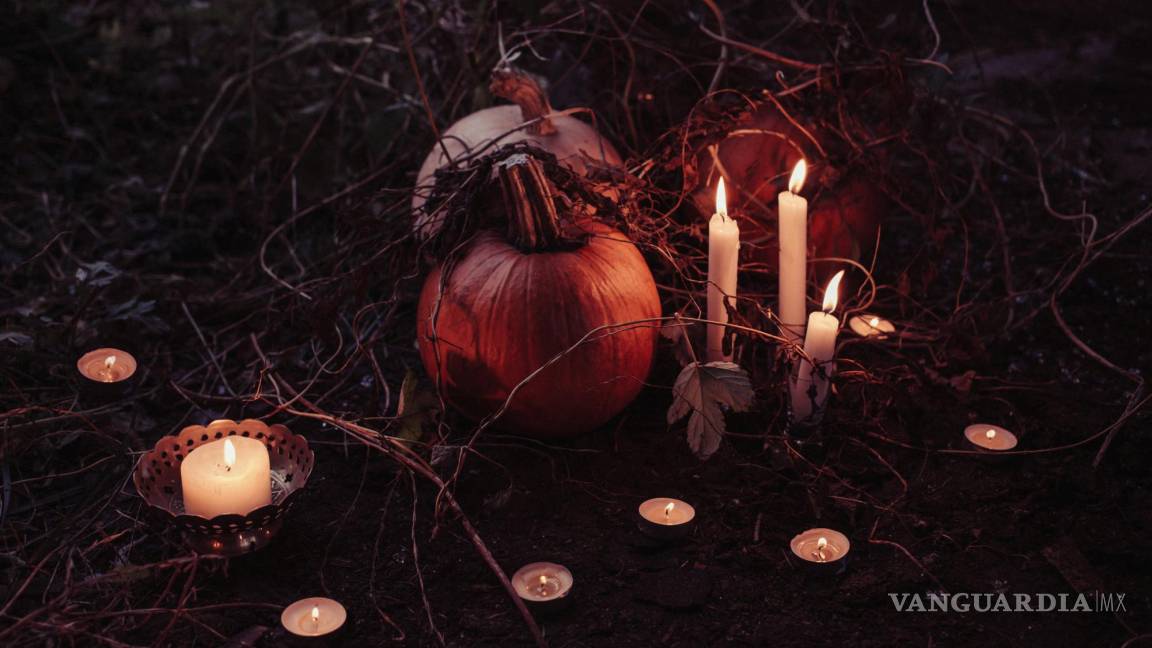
(699, 393)
(414, 408)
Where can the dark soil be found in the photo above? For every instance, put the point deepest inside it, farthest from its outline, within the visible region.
(155, 154)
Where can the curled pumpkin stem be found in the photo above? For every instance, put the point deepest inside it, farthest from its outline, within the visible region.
(534, 225)
(521, 89)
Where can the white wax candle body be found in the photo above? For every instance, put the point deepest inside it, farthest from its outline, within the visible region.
(212, 487)
(807, 545)
(723, 255)
(297, 618)
(556, 582)
(990, 437)
(656, 511)
(792, 236)
(871, 326)
(820, 346)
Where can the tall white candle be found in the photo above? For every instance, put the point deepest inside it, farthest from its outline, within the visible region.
(723, 254)
(230, 476)
(792, 235)
(810, 390)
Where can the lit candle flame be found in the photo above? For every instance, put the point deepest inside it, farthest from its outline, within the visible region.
(315, 614)
(229, 454)
(797, 179)
(543, 587)
(721, 200)
(832, 293)
(874, 322)
(821, 544)
(668, 510)
(107, 374)
(990, 434)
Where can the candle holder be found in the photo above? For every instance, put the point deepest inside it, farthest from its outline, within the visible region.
(665, 519)
(106, 374)
(301, 628)
(544, 587)
(157, 479)
(822, 552)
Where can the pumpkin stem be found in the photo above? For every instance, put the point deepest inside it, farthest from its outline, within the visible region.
(521, 89)
(535, 224)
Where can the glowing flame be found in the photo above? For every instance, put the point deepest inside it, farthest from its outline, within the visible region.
(832, 293)
(821, 543)
(797, 179)
(874, 322)
(229, 453)
(109, 362)
(543, 580)
(668, 509)
(315, 614)
(990, 434)
(721, 200)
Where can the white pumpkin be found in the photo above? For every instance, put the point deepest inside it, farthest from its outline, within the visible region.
(574, 143)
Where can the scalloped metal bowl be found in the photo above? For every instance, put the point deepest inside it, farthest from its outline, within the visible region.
(157, 479)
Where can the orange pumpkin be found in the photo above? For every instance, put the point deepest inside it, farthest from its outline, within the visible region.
(513, 302)
(575, 144)
(758, 155)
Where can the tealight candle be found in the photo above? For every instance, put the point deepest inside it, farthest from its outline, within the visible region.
(106, 371)
(990, 437)
(723, 255)
(810, 389)
(542, 583)
(666, 518)
(229, 476)
(871, 326)
(823, 550)
(792, 235)
(313, 617)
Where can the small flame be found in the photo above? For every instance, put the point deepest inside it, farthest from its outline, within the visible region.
(668, 509)
(990, 434)
(315, 614)
(543, 580)
(874, 322)
(109, 362)
(721, 200)
(229, 453)
(821, 543)
(832, 293)
(797, 179)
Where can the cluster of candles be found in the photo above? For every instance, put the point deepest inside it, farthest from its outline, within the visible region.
(232, 476)
(809, 386)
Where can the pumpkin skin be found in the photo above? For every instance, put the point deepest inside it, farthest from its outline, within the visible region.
(575, 144)
(504, 313)
(845, 210)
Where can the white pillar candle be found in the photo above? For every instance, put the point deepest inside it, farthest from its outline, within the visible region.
(819, 350)
(229, 476)
(723, 255)
(792, 236)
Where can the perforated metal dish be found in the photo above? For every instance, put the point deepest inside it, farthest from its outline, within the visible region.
(157, 479)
